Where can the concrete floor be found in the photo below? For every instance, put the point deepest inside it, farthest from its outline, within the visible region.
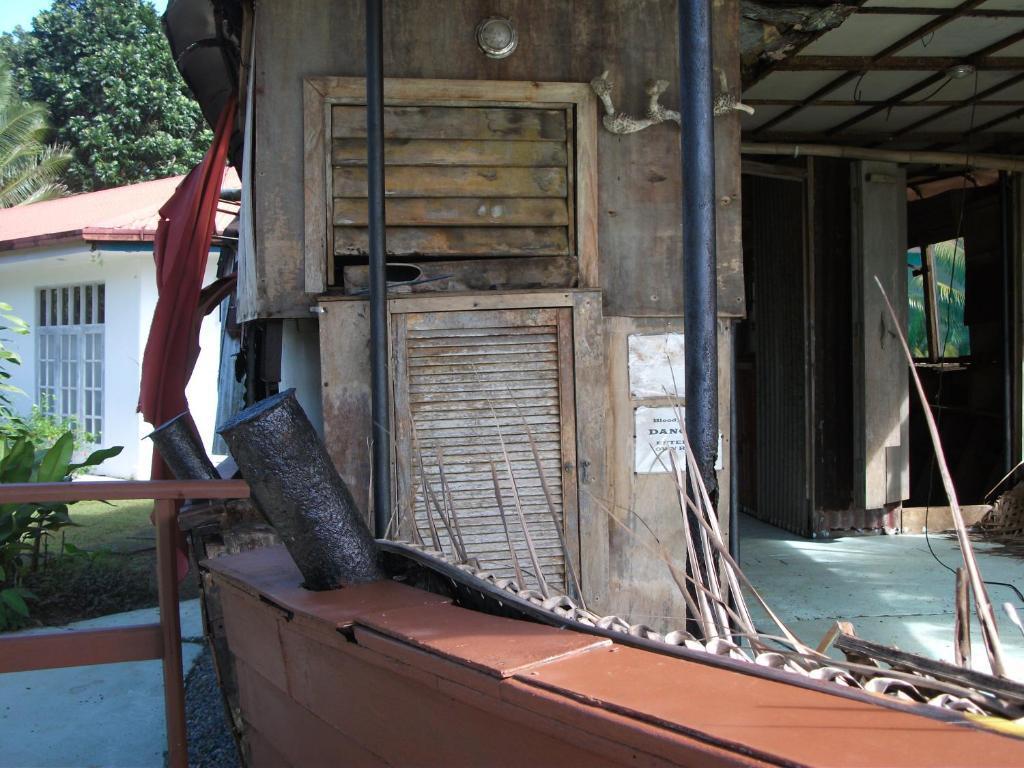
(106, 715)
(890, 587)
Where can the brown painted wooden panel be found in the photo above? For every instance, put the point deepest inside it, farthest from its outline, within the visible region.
(455, 181)
(409, 721)
(271, 573)
(294, 732)
(776, 721)
(260, 753)
(521, 124)
(253, 634)
(457, 211)
(467, 636)
(503, 242)
(348, 151)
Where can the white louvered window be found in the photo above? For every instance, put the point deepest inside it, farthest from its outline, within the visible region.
(69, 369)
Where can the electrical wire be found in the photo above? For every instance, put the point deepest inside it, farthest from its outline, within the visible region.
(942, 351)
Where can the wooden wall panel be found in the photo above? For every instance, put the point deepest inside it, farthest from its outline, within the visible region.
(638, 175)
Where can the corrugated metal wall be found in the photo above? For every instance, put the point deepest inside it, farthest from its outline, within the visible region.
(774, 241)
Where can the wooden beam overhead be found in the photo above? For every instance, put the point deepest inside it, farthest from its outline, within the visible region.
(859, 64)
(977, 99)
(936, 103)
(996, 13)
(930, 139)
(935, 24)
(937, 77)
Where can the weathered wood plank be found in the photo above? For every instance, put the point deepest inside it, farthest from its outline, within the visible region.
(455, 181)
(479, 274)
(523, 124)
(458, 211)
(454, 152)
(457, 241)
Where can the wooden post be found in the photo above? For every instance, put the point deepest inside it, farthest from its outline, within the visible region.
(167, 586)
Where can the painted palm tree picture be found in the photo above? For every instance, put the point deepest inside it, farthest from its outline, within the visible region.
(945, 313)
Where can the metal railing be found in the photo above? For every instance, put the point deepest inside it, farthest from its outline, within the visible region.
(143, 642)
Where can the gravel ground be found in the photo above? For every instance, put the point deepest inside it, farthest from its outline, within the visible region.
(210, 744)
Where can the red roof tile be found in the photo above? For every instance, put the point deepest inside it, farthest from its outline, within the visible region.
(122, 214)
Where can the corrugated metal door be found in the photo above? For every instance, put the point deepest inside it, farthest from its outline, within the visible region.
(476, 387)
(775, 241)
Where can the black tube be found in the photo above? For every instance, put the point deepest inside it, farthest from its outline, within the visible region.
(380, 431)
(700, 300)
(295, 485)
(181, 449)
(700, 310)
(734, 472)
(1005, 213)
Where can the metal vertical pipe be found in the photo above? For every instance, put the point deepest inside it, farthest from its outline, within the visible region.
(378, 279)
(700, 300)
(1005, 215)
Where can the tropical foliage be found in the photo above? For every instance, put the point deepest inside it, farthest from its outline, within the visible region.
(30, 170)
(104, 69)
(954, 339)
(24, 528)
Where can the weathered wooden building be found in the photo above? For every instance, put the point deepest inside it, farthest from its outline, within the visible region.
(536, 260)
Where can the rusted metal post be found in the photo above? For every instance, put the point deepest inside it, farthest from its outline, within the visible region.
(170, 622)
(295, 484)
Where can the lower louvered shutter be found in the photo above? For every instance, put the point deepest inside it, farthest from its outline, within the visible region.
(476, 387)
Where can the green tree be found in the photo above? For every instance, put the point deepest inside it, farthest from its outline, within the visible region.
(30, 170)
(104, 69)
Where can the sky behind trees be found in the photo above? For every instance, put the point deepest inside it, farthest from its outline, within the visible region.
(15, 12)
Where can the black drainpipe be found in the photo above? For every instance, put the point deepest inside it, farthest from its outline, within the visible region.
(378, 277)
(700, 310)
(1005, 216)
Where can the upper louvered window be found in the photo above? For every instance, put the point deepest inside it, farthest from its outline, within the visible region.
(488, 185)
(485, 431)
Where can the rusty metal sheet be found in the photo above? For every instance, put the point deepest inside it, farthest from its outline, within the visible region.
(271, 574)
(766, 719)
(500, 647)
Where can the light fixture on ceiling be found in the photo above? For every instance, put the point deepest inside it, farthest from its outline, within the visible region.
(497, 37)
(960, 71)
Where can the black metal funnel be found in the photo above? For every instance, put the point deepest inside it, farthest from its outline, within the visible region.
(181, 449)
(298, 489)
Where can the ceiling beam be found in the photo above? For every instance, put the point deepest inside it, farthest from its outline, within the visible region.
(937, 23)
(986, 126)
(996, 13)
(860, 64)
(931, 139)
(874, 102)
(937, 77)
(976, 100)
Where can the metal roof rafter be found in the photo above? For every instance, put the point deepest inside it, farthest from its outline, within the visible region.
(933, 25)
(936, 77)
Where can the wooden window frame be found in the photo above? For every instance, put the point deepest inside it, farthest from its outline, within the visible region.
(321, 93)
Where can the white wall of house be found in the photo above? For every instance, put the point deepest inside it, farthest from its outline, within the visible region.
(129, 277)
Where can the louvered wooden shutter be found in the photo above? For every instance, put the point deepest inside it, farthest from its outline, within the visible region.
(461, 183)
(464, 383)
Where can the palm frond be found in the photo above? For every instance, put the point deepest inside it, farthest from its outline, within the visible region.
(30, 171)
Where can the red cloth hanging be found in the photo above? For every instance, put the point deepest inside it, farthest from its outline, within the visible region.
(181, 250)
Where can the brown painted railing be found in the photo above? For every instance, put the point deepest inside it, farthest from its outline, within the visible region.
(136, 643)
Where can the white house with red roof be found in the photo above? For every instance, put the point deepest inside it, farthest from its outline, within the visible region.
(80, 271)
